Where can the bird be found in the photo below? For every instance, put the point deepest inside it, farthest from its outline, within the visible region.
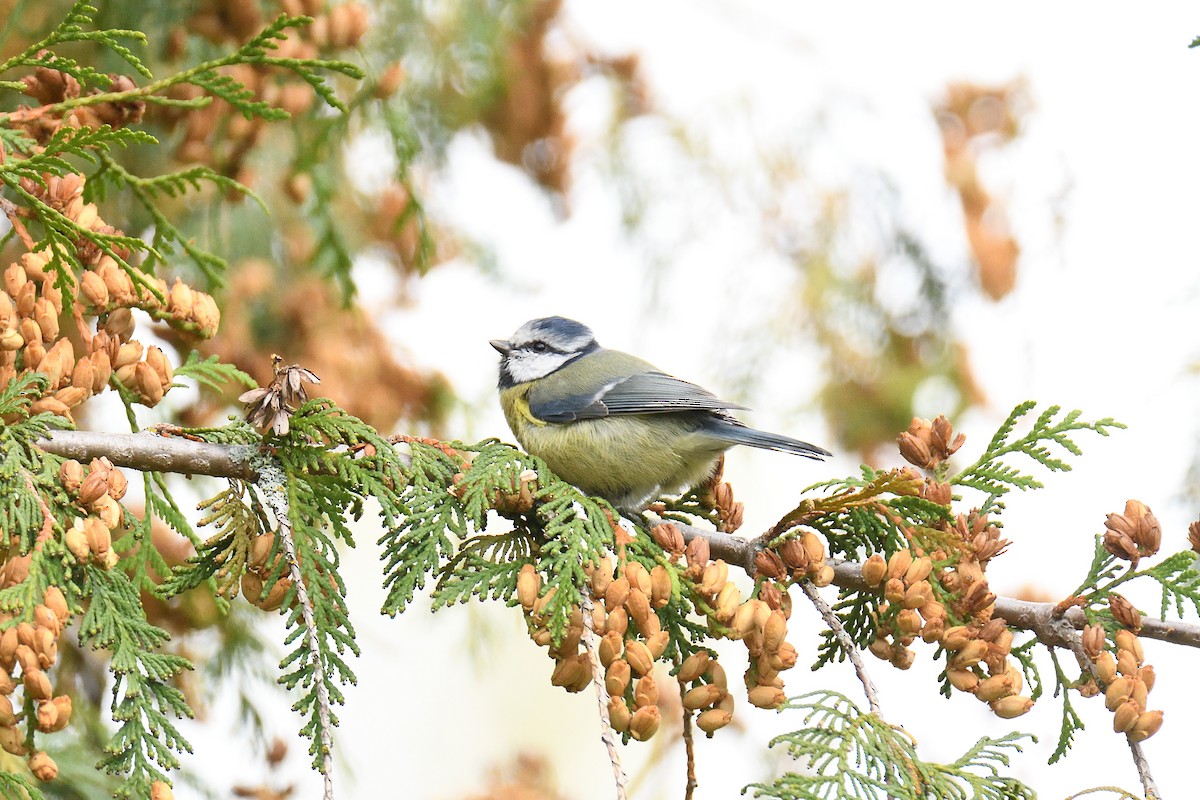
(612, 424)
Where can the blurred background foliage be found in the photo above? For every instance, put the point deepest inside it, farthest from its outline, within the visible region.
(506, 70)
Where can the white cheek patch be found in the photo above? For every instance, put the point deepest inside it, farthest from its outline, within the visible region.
(526, 366)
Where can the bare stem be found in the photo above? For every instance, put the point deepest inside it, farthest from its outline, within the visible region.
(848, 646)
(689, 745)
(273, 492)
(606, 731)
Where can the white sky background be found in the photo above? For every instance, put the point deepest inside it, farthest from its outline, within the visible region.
(1104, 318)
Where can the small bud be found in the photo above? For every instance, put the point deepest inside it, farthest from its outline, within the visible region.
(965, 680)
(774, 631)
(619, 714)
(727, 603)
(874, 570)
(1124, 612)
(566, 672)
(12, 740)
(713, 720)
(1093, 640)
(616, 678)
(1118, 691)
(42, 766)
(7, 717)
(616, 594)
(618, 620)
(76, 542)
(644, 723)
(657, 643)
(823, 576)
(1126, 716)
(766, 697)
(638, 576)
(602, 577)
(161, 791)
(529, 583)
(1126, 663)
(639, 658)
(610, 648)
(899, 563)
(702, 696)
(37, 685)
(1147, 725)
(1147, 676)
(693, 666)
(697, 552)
(1128, 641)
(1011, 707)
(918, 571)
(57, 603)
(638, 605)
(893, 591)
(995, 688)
(646, 692)
(715, 576)
(909, 622)
(770, 565)
(1106, 667)
(660, 586)
(917, 595)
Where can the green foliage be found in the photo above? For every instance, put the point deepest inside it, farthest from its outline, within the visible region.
(212, 373)
(223, 556)
(995, 478)
(145, 700)
(74, 28)
(17, 787)
(852, 754)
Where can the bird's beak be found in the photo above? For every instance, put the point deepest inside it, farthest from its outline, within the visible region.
(501, 345)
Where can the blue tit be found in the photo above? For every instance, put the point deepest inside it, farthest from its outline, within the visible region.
(612, 424)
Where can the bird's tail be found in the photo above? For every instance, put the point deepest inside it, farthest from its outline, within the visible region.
(736, 433)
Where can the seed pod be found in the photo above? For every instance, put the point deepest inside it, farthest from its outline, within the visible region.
(610, 648)
(899, 563)
(669, 538)
(644, 723)
(994, 688)
(1093, 639)
(822, 576)
(638, 606)
(1146, 675)
(46, 648)
(1124, 613)
(716, 575)
(1126, 716)
(92, 287)
(766, 697)
(786, 656)
(902, 657)
(1126, 662)
(102, 368)
(657, 643)
(12, 740)
(774, 631)
(908, 622)
(62, 704)
(697, 552)
(1106, 667)
(638, 577)
(47, 716)
(713, 720)
(893, 591)
(541, 637)
(93, 487)
(770, 565)
(933, 630)
(693, 666)
(585, 674)
(970, 654)
(99, 538)
(44, 617)
(161, 791)
(1120, 690)
(918, 571)
(965, 680)
(619, 714)
(566, 672)
(702, 696)
(646, 692)
(616, 677)
(874, 570)
(8, 648)
(660, 586)
(42, 766)
(602, 577)
(71, 476)
(727, 603)
(618, 620)
(1128, 641)
(793, 555)
(918, 595)
(529, 583)
(716, 675)
(639, 658)
(1011, 707)
(37, 685)
(161, 367)
(956, 638)
(615, 595)
(7, 717)
(1147, 725)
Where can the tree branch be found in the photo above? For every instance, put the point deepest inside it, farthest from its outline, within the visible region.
(164, 453)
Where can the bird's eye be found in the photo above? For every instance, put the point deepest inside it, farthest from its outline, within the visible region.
(539, 347)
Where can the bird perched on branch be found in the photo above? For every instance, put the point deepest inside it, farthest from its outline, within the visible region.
(612, 424)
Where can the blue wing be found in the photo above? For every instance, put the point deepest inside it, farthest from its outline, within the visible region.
(643, 393)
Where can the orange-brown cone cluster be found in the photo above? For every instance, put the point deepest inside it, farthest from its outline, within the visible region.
(260, 567)
(927, 444)
(978, 650)
(28, 651)
(1127, 680)
(1134, 534)
(97, 489)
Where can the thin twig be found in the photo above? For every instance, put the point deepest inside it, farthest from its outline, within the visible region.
(689, 746)
(848, 646)
(591, 644)
(271, 485)
(13, 212)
